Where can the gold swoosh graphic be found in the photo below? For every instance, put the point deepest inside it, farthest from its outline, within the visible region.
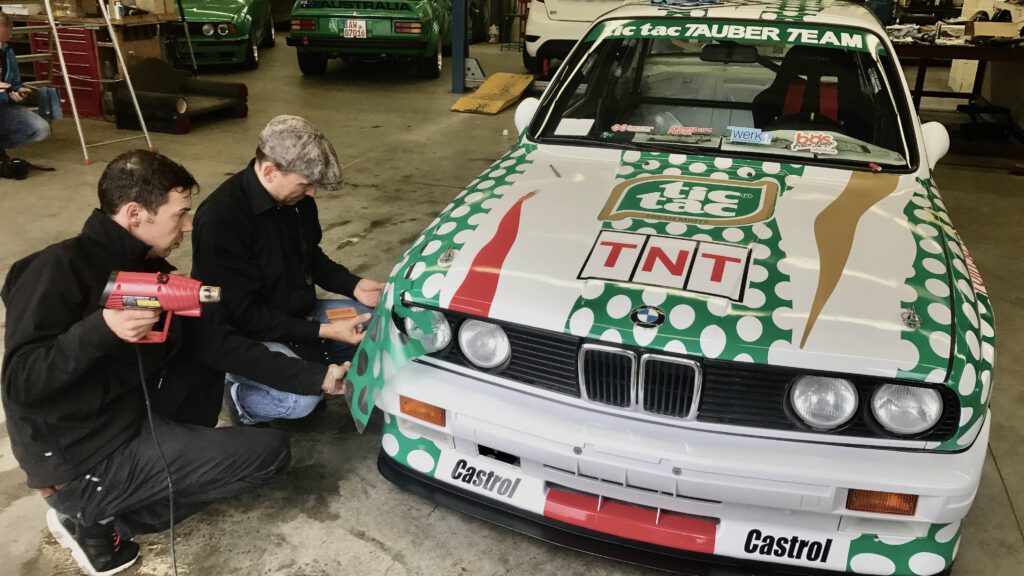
(834, 229)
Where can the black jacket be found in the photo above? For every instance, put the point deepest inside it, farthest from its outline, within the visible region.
(267, 259)
(70, 386)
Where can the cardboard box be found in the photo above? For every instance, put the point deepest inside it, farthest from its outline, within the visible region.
(997, 29)
(498, 92)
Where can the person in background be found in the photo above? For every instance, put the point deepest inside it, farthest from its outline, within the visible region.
(18, 125)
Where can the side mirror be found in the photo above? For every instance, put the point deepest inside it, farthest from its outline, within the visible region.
(524, 113)
(936, 142)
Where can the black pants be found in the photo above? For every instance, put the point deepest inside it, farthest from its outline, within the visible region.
(207, 465)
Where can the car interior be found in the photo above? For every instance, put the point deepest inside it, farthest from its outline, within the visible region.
(661, 83)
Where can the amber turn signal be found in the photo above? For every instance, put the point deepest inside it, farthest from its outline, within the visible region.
(882, 502)
(421, 410)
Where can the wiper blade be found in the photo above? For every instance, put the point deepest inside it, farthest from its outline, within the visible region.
(629, 145)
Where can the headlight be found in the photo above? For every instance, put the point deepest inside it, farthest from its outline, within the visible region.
(906, 409)
(223, 29)
(823, 403)
(207, 29)
(440, 331)
(484, 344)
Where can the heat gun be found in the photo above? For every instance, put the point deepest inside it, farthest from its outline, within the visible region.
(157, 291)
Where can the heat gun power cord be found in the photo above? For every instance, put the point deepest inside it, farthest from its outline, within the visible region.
(167, 469)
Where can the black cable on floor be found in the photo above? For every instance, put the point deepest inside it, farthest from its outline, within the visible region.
(152, 429)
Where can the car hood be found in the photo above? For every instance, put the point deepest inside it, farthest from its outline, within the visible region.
(212, 10)
(783, 264)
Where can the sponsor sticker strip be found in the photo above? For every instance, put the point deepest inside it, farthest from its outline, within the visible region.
(762, 32)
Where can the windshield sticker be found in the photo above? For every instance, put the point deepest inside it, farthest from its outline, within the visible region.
(692, 200)
(630, 128)
(681, 263)
(574, 126)
(688, 130)
(748, 135)
(710, 30)
(815, 143)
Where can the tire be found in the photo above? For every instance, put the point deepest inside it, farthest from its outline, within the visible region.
(312, 63)
(252, 54)
(533, 64)
(430, 66)
(269, 36)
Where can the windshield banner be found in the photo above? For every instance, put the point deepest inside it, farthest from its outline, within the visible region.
(795, 34)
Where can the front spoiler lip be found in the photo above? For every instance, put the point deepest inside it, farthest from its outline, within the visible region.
(569, 536)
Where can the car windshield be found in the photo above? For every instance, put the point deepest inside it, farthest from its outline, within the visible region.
(786, 90)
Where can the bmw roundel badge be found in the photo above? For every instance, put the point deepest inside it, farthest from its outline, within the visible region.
(647, 316)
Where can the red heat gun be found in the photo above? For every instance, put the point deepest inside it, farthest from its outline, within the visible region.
(157, 291)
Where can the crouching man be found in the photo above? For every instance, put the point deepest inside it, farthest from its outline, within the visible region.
(71, 380)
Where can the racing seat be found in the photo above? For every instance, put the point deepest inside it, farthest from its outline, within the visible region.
(816, 88)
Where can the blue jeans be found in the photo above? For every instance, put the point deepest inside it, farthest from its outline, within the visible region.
(260, 403)
(19, 125)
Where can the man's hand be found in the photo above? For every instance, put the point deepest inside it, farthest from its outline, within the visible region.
(367, 292)
(18, 95)
(130, 325)
(349, 330)
(335, 383)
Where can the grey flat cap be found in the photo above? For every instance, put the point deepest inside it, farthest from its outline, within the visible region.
(295, 145)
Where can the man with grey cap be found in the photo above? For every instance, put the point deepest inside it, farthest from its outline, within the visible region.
(258, 237)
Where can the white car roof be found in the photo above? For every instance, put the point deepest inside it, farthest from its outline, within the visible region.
(836, 12)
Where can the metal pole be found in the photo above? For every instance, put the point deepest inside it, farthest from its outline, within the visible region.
(459, 47)
(124, 68)
(67, 79)
(188, 38)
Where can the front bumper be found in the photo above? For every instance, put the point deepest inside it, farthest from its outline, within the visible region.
(728, 497)
(209, 52)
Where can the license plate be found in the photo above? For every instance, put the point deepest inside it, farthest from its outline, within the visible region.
(354, 29)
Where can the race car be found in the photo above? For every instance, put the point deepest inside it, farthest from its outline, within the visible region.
(419, 30)
(222, 32)
(708, 314)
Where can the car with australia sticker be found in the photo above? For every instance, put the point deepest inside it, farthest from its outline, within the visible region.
(709, 313)
(366, 30)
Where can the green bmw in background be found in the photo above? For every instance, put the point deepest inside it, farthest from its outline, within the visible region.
(371, 29)
(224, 32)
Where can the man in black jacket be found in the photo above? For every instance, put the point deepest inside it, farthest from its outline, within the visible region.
(71, 377)
(258, 237)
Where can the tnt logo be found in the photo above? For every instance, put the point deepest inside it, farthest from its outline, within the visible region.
(691, 265)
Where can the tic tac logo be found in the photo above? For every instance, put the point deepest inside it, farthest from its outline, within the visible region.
(692, 200)
(792, 547)
(695, 266)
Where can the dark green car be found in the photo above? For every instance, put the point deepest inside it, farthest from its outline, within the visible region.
(224, 32)
(371, 29)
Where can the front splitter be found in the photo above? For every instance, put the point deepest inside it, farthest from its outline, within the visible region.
(562, 534)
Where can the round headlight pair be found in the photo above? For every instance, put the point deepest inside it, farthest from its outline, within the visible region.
(826, 403)
(482, 343)
(222, 29)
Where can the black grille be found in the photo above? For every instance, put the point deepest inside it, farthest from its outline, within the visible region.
(668, 387)
(735, 393)
(608, 376)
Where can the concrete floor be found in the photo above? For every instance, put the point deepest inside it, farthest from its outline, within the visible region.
(406, 157)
